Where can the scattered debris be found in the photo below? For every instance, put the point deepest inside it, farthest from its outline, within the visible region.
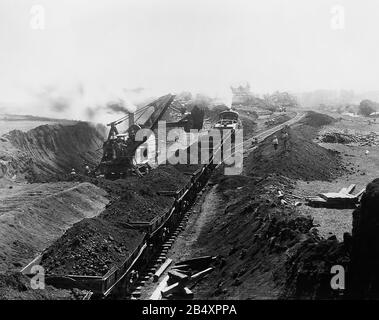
(349, 137)
(183, 276)
(344, 199)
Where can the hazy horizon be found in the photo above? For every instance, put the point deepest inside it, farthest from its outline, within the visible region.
(89, 51)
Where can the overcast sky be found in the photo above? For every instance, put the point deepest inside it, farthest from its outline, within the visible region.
(101, 46)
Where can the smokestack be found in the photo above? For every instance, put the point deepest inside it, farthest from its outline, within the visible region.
(131, 119)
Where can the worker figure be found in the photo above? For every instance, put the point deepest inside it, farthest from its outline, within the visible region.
(87, 170)
(164, 234)
(285, 139)
(275, 142)
(133, 277)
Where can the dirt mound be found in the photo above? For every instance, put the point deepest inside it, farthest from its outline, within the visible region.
(31, 219)
(303, 159)
(256, 232)
(49, 150)
(309, 268)
(315, 119)
(16, 286)
(347, 137)
(249, 126)
(269, 250)
(337, 137)
(91, 247)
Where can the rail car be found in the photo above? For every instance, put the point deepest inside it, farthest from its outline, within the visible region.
(117, 278)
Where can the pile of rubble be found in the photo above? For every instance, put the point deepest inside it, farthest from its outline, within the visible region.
(346, 137)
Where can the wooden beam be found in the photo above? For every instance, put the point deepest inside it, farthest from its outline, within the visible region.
(157, 294)
(162, 269)
(170, 289)
(201, 274)
(176, 276)
(350, 188)
(360, 193)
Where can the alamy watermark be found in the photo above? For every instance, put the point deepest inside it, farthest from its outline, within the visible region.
(337, 281)
(216, 146)
(38, 279)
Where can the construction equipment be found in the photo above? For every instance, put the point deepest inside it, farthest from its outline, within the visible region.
(228, 120)
(120, 148)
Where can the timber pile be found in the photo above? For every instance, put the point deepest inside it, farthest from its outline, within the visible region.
(185, 275)
(344, 199)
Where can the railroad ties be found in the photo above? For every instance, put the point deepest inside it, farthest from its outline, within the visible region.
(160, 258)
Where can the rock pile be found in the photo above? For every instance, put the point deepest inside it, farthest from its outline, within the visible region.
(371, 139)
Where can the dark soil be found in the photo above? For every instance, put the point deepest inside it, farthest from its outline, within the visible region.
(49, 150)
(315, 119)
(309, 268)
(256, 232)
(303, 159)
(88, 249)
(269, 249)
(16, 286)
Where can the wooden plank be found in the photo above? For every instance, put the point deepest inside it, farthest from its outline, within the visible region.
(201, 274)
(350, 188)
(360, 193)
(176, 276)
(182, 267)
(335, 196)
(171, 289)
(162, 269)
(157, 294)
(197, 262)
(29, 266)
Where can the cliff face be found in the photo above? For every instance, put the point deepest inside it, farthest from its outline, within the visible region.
(49, 150)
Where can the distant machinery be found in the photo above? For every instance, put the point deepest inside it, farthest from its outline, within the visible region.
(241, 94)
(228, 120)
(120, 148)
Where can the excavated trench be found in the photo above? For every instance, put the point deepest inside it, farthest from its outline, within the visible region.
(270, 249)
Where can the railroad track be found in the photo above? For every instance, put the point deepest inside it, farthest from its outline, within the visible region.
(157, 261)
(152, 251)
(136, 294)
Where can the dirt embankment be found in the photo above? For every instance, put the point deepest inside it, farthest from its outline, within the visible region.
(270, 249)
(16, 286)
(301, 159)
(32, 217)
(249, 126)
(49, 150)
(253, 232)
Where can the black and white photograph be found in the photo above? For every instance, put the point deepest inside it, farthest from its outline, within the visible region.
(155, 151)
